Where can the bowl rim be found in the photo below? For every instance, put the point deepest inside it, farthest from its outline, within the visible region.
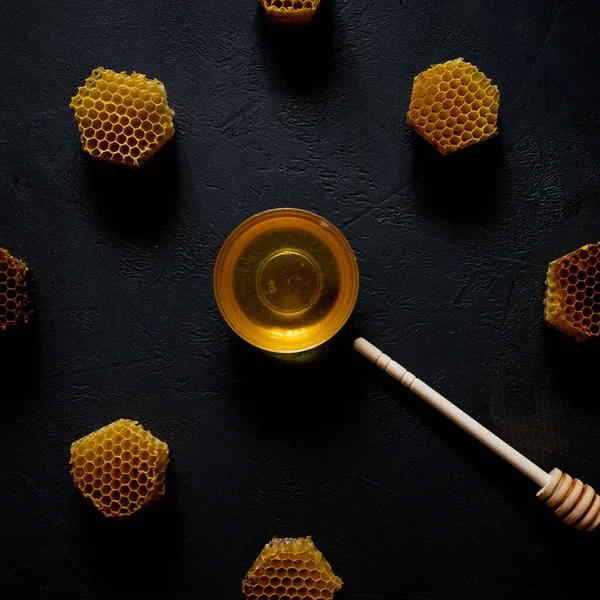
(246, 224)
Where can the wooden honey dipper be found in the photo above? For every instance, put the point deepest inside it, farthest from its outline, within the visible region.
(573, 501)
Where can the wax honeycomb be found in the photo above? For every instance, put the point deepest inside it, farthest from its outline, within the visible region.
(290, 569)
(122, 118)
(120, 468)
(454, 105)
(15, 291)
(291, 12)
(572, 302)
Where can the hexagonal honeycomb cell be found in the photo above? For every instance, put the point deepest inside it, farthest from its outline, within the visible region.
(290, 569)
(290, 12)
(120, 468)
(572, 302)
(15, 291)
(122, 118)
(454, 105)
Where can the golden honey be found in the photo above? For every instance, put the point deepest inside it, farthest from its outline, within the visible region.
(286, 280)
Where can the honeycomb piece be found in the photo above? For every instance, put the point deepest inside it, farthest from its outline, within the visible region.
(120, 468)
(454, 105)
(122, 118)
(15, 291)
(572, 302)
(290, 12)
(291, 569)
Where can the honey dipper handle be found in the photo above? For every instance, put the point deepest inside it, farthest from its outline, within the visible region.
(455, 414)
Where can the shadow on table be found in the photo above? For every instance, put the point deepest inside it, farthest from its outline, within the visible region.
(464, 187)
(566, 549)
(140, 202)
(501, 476)
(19, 366)
(573, 366)
(568, 557)
(302, 55)
(137, 556)
(298, 396)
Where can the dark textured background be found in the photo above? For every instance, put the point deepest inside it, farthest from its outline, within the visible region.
(452, 251)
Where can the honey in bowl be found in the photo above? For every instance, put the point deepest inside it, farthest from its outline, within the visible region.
(286, 280)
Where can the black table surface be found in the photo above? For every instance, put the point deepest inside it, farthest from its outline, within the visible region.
(453, 253)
